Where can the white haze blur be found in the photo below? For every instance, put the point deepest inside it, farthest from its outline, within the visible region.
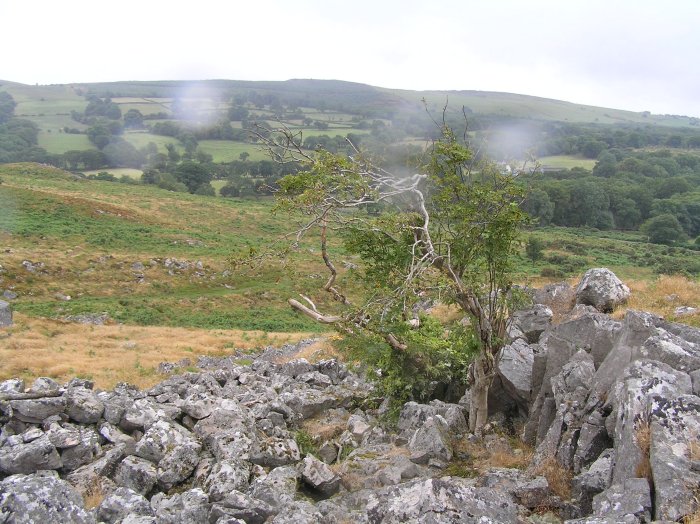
(628, 54)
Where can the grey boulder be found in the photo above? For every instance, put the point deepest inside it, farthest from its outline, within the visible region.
(601, 289)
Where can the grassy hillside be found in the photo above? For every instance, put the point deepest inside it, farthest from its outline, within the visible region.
(107, 246)
(510, 105)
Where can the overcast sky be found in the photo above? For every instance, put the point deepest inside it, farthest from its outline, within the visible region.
(626, 54)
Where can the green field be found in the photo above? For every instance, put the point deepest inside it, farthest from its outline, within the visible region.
(566, 162)
(227, 151)
(118, 172)
(140, 139)
(58, 143)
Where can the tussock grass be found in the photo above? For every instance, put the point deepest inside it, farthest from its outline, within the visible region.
(558, 477)
(109, 354)
(643, 438)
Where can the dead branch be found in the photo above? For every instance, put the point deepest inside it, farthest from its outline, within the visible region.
(324, 319)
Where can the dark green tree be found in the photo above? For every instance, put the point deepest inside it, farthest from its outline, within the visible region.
(663, 229)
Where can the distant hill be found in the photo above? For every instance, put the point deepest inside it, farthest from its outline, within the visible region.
(349, 97)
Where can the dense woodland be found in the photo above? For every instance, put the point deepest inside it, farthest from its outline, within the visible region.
(646, 176)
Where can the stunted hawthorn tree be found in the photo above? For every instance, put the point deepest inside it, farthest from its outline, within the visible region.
(447, 232)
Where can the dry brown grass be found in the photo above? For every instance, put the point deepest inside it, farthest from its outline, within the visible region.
(558, 477)
(93, 496)
(482, 459)
(319, 350)
(643, 438)
(36, 347)
(662, 296)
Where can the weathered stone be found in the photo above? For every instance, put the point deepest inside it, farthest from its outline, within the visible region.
(431, 441)
(84, 452)
(137, 474)
(277, 488)
(514, 366)
(601, 289)
(295, 368)
(227, 432)
(198, 405)
(336, 371)
(178, 464)
(82, 405)
(5, 314)
(629, 498)
(319, 476)
(163, 437)
(592, 441)
(442, 500)
(86, 477)
(328, 452)
(44, 385)
(670, 349)
(40, 498)
(299, 512)
(29, 457)
(675, 428)
(533, 321)
(189, 507)
(577, 373)
(120, 503)
(37, 410)
(241, 506)
(275, 452)
(594, 480)
(308, 402)
(559, 297)
(641, 381)
(534, 493)
(226, 476)
(12, 385)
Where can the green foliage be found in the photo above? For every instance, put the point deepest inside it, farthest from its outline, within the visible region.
(307, 444)
(663, 229)
(433, 359)
(534, 248)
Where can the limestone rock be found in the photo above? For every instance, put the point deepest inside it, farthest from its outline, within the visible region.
(594, 480)
(621, 501)
(601, 289)
(514, 366)
(227, 476)
(238, 505)
(82, 405)
(533, 321)
(277, 488)
(120, 503)
(299, 512)
(443, 500)
(41, 498)
(5, 314)
(431, 441)
(675, 428)
(137, 474)
(190, 506)
(319, 476)
(35, 411)
(29, 457)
